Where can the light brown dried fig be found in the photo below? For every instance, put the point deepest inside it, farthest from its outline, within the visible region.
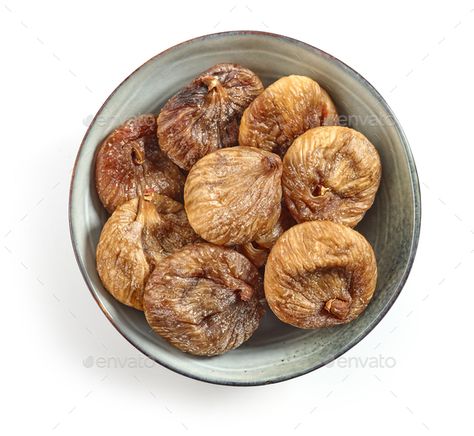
(257, 251)
(138, 235)
(203, 299)
(285, 221)
(285, 110)
(320, 274)
(129, 162)
(329, 115)
(331, 173)
(233, 195)
(204, 116)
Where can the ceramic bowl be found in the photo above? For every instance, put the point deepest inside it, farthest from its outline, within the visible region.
(277, 351)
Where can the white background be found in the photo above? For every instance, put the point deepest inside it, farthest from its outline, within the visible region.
(59, 63)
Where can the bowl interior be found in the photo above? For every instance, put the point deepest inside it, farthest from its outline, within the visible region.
(276, 351)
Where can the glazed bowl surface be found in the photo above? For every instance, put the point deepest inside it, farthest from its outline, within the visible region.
(276, 352)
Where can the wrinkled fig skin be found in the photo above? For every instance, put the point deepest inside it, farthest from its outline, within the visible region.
(331, 173)
(285, 110)
(138, 235)
(129, 161)
(233, 195)
(204, 116)
(203, 299)
(320, 274)
(285, 221)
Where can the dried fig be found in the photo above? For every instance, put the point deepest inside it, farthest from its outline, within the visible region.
(232, 196)
(129, 162)
(203, 299)
(331, 173)
(204, 116)
(285, 110)
(320, 274)
(329, 115)
(285, 221)
(257, 251)
(138, 235)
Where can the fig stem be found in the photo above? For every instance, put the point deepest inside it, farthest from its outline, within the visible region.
(143, 198)
(319, 191)
(338, 308)
(211, 82)
(138, 156)
(323, 190)
(245, 293)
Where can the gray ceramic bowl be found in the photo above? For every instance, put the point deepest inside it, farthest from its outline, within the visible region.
(276, 352)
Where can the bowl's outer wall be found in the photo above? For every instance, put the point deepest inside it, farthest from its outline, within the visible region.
(276, 352)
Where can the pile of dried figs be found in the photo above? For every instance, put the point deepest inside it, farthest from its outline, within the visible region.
(237, 197)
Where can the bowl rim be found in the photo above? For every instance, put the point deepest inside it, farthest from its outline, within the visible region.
(415, 187)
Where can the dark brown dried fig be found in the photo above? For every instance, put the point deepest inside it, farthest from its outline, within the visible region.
(233, 195)
(285, 110)
(138, 235)
(257, 251)
(129, 162)
(320, 274)
(331, 173)
(203, 299)
(204, 116)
